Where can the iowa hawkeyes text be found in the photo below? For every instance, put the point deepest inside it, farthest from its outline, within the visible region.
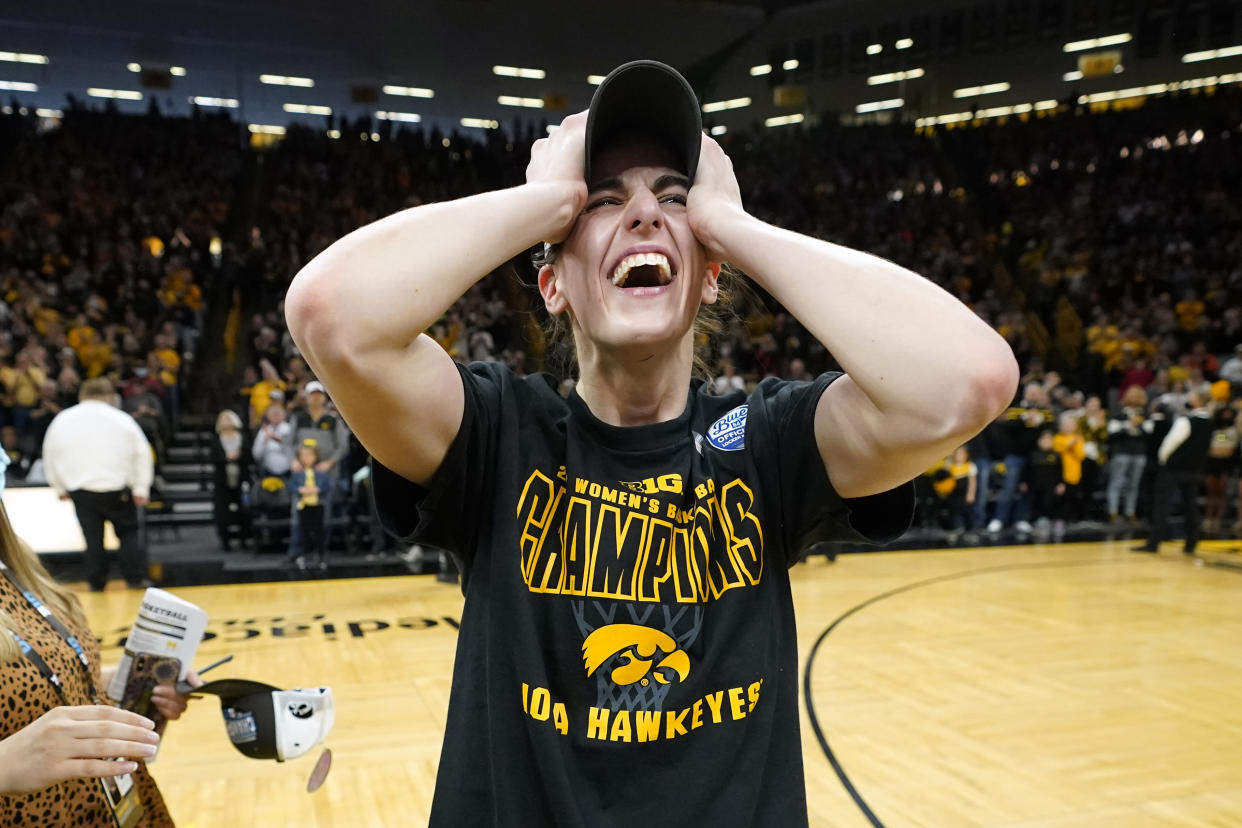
(601, 541)
(720, 707)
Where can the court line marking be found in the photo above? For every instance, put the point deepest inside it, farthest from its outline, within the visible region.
(953, 576)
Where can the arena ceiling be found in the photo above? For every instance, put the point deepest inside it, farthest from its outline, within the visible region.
(448, 46)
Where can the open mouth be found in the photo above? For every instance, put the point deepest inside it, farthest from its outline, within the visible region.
(639, 270)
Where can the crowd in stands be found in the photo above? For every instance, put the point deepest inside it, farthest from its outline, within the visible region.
(106, 239)
(1105, 246)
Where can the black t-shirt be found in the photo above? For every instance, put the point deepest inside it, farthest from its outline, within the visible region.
(627, 653)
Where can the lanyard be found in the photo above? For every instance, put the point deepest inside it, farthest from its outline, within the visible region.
(63, 631)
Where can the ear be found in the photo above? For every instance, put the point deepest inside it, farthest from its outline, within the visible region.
(554, 298)
(710, 284)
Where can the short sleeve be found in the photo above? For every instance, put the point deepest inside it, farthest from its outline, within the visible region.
(811, 511)
(449, 511)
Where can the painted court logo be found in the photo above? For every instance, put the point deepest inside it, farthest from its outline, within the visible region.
(729, 432)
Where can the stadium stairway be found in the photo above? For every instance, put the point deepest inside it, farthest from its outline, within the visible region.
(182, 494)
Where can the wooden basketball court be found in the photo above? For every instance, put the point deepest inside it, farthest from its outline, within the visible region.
(1067, 685)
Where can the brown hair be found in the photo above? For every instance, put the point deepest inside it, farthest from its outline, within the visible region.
(100, 388)
(29, 572)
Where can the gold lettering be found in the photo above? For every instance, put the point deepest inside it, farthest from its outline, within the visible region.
(620, 727)
(540, 704)
(743, 532)
(576, 546)
(647, 725)
(616, 552)
(713, 701)
(686, 574)
(656, 565)
(594, 489)
(580, 485)
(696, 720)
(722, 571)
(752, 693)
(525, 691)
(560, 718)
(597, 723)
(673, 723)
(536, 510)
(735, 703)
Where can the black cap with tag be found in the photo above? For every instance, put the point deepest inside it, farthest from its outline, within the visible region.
(651, 98)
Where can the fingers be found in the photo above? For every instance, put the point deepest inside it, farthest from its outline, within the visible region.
(105, 713)
(91, 748)
(96, 768)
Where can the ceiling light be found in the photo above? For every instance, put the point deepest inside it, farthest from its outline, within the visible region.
(285, 80)
(134, 67)
(875, 49)
(790, 64)
(1097, 42)
(720, 106)
(986, 89)
(407, 117)
(334, 134)
(904, 43)
(719, 129)
(115, 94)
(19, 86)
(595, 80)
(479, 123)
(518, 72)
(529, 103)
(761, 69)
(409, 91)
(909, 74)
(21, 57)
(783, 120)
(266, 129)
(307, 109)
(225, 103)
(876, 106)
(178, 71)
(50, 113)
(1212, 54)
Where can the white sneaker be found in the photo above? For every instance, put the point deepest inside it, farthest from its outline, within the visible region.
(995, 526)
(1023, 527)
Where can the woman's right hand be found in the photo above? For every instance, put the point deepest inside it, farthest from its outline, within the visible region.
(71, 743)
(560, 159)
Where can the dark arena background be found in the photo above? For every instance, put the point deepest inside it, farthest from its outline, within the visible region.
(1070, 169)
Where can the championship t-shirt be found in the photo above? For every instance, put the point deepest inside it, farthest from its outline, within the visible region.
(627, 652)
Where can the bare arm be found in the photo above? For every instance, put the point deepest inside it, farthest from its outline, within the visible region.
(924, 373)
(358, 310)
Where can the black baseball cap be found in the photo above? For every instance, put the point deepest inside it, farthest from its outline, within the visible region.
(265, 722)
(652, 98)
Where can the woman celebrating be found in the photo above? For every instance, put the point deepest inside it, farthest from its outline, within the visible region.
(624, 551)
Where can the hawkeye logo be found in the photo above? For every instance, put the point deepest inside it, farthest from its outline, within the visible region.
(640, 654)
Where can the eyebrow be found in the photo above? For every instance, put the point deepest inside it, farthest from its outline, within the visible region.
(664, 182)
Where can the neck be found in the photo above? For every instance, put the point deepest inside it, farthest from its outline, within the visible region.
(636, 386)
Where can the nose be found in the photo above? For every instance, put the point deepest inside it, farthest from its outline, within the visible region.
(642, 212)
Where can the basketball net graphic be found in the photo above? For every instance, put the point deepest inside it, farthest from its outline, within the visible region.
(682, 623)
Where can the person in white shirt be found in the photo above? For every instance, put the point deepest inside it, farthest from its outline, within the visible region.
(97, 456)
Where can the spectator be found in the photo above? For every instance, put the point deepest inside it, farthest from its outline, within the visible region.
(230, 461)
(273, 443)
(98, 457)
(310, 511)
(1128, 449)
(1183, 455)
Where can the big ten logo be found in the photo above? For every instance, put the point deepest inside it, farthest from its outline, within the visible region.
(670, 483)
(317, 625)
(538, 704)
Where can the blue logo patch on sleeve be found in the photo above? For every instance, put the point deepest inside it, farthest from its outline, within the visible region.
(729, 432)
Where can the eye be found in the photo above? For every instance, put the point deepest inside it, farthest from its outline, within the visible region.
(673, 198)
(602, 201)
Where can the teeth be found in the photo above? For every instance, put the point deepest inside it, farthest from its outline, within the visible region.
(634, 260)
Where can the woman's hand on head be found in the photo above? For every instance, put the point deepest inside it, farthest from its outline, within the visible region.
(74, 743)
(714, 199)
(559, 160)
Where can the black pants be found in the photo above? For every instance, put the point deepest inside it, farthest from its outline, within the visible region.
(93, 508)
(1186, 487)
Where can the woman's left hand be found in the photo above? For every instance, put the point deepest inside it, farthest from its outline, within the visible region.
(169, 702)
(714, 198)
